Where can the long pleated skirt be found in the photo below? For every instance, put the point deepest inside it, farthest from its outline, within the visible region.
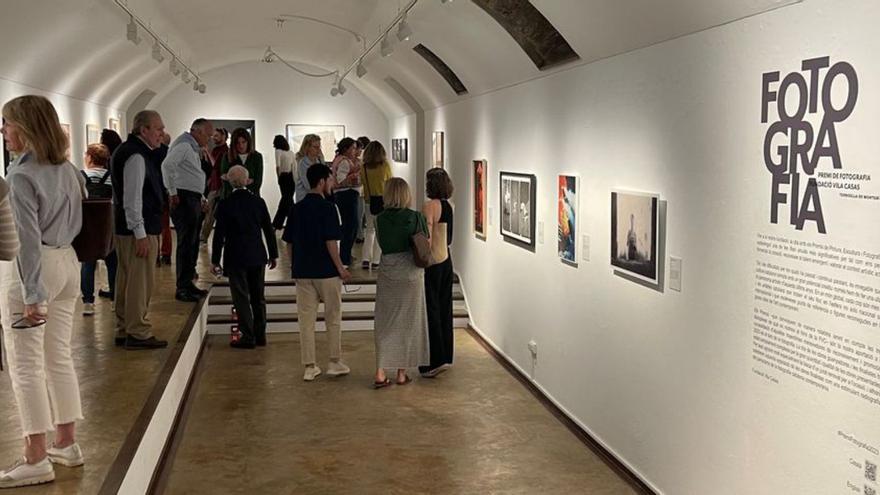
(401, 322)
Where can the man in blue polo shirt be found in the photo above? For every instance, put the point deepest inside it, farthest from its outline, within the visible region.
(313, 232)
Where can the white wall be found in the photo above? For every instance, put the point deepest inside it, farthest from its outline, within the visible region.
(664, 379)
(76, 112)
(273, 96)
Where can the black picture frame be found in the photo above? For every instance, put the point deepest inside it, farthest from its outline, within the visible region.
(515, 189)
(641, 259)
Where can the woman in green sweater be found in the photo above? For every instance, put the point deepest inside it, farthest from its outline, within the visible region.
(401, 323)
(242, 153)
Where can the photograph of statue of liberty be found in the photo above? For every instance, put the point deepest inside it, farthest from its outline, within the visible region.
(634, 234)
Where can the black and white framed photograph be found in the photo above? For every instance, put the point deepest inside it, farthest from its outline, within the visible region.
(400, 150)
(634, 225)
(518, 208)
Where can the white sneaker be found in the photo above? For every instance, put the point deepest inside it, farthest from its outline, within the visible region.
(23, 474)
(337, 368)
(88, 309)
(70, 456)
(311, 373)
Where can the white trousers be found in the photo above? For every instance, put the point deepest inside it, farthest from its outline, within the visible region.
(44, 380)
(371, 250)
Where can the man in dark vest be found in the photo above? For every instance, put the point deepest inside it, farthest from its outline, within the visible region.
(137, 202)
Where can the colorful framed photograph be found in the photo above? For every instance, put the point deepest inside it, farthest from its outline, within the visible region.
(480, 186)
(437, 148)
(518, 208)
(567, 213)
(634, 225)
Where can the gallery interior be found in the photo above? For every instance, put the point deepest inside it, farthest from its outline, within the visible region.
(665, 246)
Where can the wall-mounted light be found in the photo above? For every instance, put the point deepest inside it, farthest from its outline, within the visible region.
(157, 52)
(387, 48)
(404, 32)
(131, 31)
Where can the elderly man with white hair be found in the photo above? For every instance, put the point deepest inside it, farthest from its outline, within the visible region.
(242, 222)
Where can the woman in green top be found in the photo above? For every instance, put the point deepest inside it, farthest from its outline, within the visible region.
(242, 153)
(374, 173)
(401, 322)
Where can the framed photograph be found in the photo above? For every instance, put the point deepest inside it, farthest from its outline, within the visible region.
(330, 135)
(481, 173)
(400, 150)
(567, 213)
(518, 208)
(437, 143)
(113, 125)
(634, 224)
(93, 134)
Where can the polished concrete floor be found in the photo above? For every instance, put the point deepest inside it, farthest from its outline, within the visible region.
(256, 427)
(114, 384)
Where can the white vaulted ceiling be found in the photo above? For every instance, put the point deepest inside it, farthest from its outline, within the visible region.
(78, 47)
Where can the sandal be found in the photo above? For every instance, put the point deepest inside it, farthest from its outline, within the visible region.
(406, 380)
(382, 384)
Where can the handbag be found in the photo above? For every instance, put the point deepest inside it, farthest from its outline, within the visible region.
(95, 238)
(421, 245)
(377, 203)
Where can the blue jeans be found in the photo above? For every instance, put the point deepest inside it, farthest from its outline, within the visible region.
(87, 277)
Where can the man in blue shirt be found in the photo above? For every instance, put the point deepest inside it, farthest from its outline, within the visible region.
(185, 180)
(313, 232)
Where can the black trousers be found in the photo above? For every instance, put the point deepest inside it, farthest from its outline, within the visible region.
(438, 296)
(249, 298)
(346, 201)
(187, 217)
(288, 188)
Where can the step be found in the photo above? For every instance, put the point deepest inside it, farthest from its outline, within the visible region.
(293, 327)
(226, 319)
(226, 300)
(288, 287)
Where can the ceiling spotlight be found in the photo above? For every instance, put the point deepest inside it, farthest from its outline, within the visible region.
(404, 32)
(186, 77)
(342, 89)
(131, 31)
(387, 48)
(157, 52)
(445, 1)
(361, 71)
(174, 67)
(202, 88)
(196, 85)
(334, 91)
(268, 56)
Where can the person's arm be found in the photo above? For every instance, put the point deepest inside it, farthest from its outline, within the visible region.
(429, 210)
(134, 175)
(26, 206)
(8, 236)
(224, 168)
(257, 173)
(170, 166)
(269, 234)
(332, 233)
(333, 249)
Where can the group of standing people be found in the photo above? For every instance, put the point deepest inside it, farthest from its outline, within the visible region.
(322, 206)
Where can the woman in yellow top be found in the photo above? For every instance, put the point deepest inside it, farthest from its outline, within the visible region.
(375, 172)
